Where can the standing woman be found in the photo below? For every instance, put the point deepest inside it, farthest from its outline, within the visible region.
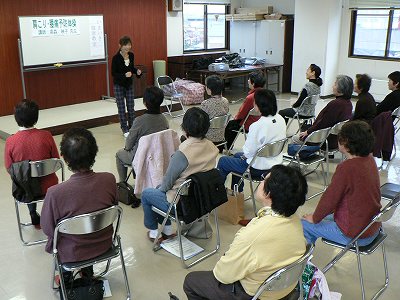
(122, 69)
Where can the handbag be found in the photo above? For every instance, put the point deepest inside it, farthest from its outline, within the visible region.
(85, 288)
(199, 229)
(233, 210)
(305, 152)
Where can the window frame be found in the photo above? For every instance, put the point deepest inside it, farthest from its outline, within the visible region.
(353, 24)
(227, 32)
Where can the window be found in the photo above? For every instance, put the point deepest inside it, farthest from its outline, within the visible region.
(376, 33)
(204, 27)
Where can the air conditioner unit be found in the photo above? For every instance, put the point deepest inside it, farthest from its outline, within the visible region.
(175, 5)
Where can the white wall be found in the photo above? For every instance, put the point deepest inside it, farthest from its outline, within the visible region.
(377, 69)
(316, 40)
(174, 33)
(281, 6)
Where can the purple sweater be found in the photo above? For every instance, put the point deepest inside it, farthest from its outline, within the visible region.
(83, 193)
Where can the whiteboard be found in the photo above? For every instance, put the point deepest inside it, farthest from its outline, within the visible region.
(48, 40)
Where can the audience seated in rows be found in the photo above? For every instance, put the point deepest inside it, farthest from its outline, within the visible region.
(215, 106)
(195, 154)
(150, 122)
(256, 81)
(30, 143)
(269, 128)
(311, 88)
(269, 242)
(353, 197)
(335, 111)
(391, 101)
(365, 106)
(84, 192)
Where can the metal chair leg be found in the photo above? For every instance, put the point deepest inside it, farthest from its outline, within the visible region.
(20, 224)
(121, 256)
(360, 271)
(382, 289)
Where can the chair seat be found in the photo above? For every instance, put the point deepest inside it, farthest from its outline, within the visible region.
(113, 252)
(365, 250)
(309, 160)
(390, 190)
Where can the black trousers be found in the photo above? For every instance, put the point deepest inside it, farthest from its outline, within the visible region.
(287, 113)
(203, 285)
(231, 131)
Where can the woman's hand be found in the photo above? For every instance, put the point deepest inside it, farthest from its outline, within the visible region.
(128, 74)
(138, 72)
(308, 218)
(303, 135)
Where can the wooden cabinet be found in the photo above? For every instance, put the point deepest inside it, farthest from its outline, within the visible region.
(269, 39)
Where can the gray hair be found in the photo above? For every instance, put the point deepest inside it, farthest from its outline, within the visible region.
(344, 86)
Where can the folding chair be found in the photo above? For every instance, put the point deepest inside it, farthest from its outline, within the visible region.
(163, 81)
(287, 276)
(39, 168)
(334, 131)
(266, 151)
(86, 224)
(242, 129)
(220, 122)
(305, 112)
(317, 138)
(384, 215)
(172, 215)
(396, 120)
(389, 191)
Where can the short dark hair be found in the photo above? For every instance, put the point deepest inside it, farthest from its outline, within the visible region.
(363, 82)
(26, 113)
(287, 188)
(266, 102)
(215, 84)
(153, 97)
(79, 148)
(395, 77)
(125, 40)
(257, 79)
(196, 122)
(357, 137)
(317, 70)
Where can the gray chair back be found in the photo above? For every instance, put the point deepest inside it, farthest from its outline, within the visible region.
(337, 127)
(307, 107)
(396, 112)
(253, 112)
(183, 189)
(286, 276)
(271, 149)
(88, 223)
(219, 122)
(318, 136)
(40, 168)
(388, 211)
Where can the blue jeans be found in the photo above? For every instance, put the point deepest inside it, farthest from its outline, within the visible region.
(329, 230)
(154, 197)
(237, 164)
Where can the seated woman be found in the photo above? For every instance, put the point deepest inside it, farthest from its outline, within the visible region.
(86, 191)
(150, 122)
(215, 106)
(311, 88)
(256, 81)
(269, 128)
(270, 241)
(353, 197)
(30, 143)
(335, 111)
(195, 154)
(391, 101)
(365, 106)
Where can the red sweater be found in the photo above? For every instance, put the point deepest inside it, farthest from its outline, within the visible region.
(32, 144)
(353, 197)
(247, 105)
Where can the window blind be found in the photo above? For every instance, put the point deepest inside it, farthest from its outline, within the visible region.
(362, 4)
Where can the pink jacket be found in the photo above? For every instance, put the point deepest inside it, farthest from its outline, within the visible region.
(152, 158)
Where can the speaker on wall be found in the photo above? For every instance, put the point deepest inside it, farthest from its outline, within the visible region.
(175, 5)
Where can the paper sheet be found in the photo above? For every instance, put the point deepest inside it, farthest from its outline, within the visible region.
(190, 249)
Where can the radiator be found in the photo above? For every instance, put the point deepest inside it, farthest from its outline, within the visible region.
(379, 89)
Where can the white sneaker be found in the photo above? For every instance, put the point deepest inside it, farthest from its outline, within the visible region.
(126, 134)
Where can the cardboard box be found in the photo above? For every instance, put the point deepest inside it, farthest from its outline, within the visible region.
(255, 10)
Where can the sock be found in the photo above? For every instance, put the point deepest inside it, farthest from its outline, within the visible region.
(153, 233)
(168, 230)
